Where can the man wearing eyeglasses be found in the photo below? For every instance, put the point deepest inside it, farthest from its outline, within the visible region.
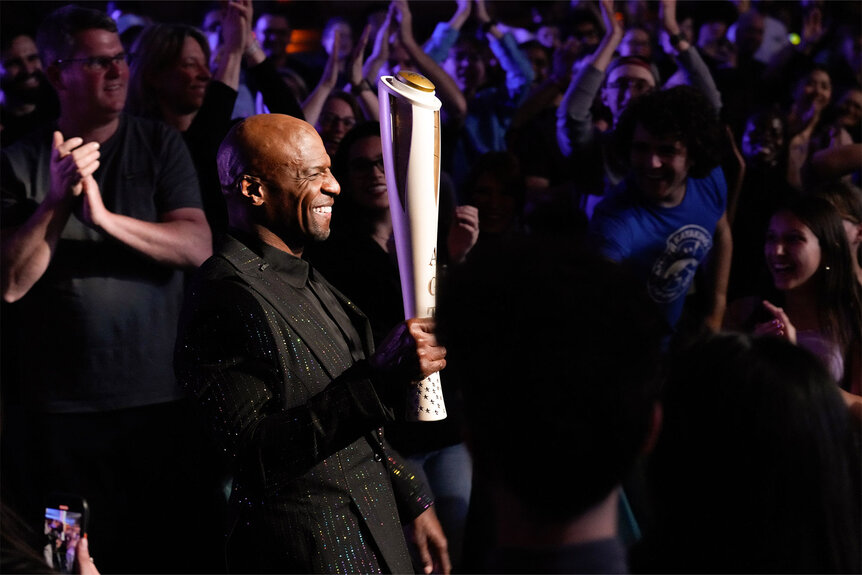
(101, 215)
(337, 117)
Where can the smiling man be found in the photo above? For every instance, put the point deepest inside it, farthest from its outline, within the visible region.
(668, 214)
(101, 214)
(284, 368)
(26, 98)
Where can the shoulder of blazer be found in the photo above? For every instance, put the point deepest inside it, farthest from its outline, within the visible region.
(233, 257)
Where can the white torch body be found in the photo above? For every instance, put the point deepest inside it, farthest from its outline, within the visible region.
(410, 134)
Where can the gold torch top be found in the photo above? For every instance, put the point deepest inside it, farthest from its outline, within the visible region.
(415, 80)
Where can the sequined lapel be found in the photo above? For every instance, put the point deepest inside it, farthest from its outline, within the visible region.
(302, 318)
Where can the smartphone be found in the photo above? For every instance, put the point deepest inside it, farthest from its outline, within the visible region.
(65, 523)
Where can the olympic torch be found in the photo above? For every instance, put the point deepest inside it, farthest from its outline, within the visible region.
(410, 133)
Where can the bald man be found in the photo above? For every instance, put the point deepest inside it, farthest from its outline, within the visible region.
(284, 369)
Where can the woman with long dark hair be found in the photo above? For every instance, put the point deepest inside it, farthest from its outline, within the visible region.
(816, 301)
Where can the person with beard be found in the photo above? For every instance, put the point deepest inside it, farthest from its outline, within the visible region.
(26, 98)
(101, 215)
(669, 214)
(299, 405)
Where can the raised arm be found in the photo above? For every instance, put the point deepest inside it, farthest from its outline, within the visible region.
(603, 55)
(27, 250)
(365, 91)
(380, 52)
(551, 89)
(519, 72)
(445, 33)
(836, 161)
(236, 30)
(447, 90)
(461, 15)
(574, 120)
(696, 71)
(784, 64)
(669, 24)
(313, 105)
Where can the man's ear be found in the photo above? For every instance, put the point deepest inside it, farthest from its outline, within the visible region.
(252, 188)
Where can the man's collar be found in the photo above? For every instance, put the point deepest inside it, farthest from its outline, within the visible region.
(102, 134)
(292, 269)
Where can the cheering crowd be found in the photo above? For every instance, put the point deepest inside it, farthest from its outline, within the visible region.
(649, 316)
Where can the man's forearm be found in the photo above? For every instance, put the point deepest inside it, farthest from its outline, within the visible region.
(27, 250)
(183, 240)
(574, 120)
(441, 41)
(719, 272)
(447, 90)
(519, 72)
(699, 76)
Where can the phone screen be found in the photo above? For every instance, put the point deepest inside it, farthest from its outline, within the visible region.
(62, 533)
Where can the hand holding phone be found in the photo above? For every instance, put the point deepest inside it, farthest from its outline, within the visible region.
(66, 518)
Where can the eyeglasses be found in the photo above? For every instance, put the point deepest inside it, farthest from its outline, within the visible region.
(97, 63)
(330, 119)
(634, 85)
(366, 164)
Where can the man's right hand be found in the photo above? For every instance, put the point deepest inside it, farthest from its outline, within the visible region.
(236, 26)
(410, 351)
(71, 161)
(613, 27)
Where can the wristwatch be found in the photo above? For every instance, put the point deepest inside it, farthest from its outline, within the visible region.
(485, 27)
(361, 87)
(675, 39)
(253, 47)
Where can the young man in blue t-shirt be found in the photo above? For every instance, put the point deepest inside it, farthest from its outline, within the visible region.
(669, 213)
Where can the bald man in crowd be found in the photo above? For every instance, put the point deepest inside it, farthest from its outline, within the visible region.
(284, 369)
